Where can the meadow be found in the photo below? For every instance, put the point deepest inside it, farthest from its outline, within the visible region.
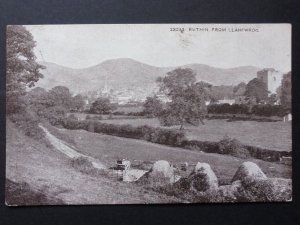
(109, 148)
(270, 135)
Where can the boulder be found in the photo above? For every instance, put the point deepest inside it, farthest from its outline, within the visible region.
(249, 170)
(163, 168)
(160, 173)
(257, 187)
(203, 178)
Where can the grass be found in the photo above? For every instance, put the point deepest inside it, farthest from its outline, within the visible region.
(270, 135)
(22, 194)
(128, 109)
(48, 174)
(108, 149)
(48, 177)
(82, 116)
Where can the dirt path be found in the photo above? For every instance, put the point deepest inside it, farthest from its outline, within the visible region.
(68, 151)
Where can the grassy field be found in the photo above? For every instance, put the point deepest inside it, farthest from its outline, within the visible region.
(110, 148)
(46, 176)
(270, 135)
(128, 109)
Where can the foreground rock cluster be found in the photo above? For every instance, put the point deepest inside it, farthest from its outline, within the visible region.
(249, 184)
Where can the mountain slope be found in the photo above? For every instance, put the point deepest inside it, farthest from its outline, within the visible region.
(128, 73)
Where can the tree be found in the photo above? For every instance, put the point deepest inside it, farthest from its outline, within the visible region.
(52, 105)
(153, 106)
(272, 99)
(61, 96)
(22, 70)
(37, 100)
(77, 103)
(187, 97)
(240, 88)
(102, 106)
(286, 91)
(256, 89)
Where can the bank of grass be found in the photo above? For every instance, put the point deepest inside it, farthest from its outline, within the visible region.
(46, 173)
(17, 194)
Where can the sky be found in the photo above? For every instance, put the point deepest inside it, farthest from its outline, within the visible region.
(218, 45)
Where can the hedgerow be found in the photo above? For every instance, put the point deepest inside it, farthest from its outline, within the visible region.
(258, 110)
(176, 138)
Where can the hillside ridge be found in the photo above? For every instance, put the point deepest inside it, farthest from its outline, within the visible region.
(126, 73)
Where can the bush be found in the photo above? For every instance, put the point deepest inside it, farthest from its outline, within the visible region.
(28, 123)
(75, 124)
(269, 110)
(205, 146)
(82, 164)
(258, 110)
(155, 135)
(264, 190)
(98, 117)
(73, 117)
(55, 115)
(231, 146)
(267, 155)
(118, 113)
(165, 119)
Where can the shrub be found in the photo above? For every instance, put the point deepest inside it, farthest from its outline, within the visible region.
(155, 135)
(118, 113)
(99, 117)
(264, 190)
(259, 110)
(205, 146)
(75, 124)
(231, 146)
(55, 114)
(28, 123)
(84, 165)
(165, 119)
(265, 154)
(89, 117)
(72, 116)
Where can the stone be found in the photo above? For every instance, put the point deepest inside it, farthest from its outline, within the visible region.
(203, 178)
(160, 173)
(249, 169)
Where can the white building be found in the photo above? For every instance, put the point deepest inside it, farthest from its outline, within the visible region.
(226, 101)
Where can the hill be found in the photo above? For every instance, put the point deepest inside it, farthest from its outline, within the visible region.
(131, 74)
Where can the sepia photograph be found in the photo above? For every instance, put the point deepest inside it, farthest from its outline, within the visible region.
(148, 114)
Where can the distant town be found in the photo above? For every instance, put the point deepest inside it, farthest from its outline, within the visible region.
(136, 95)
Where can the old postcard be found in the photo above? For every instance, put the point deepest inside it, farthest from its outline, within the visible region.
(148, 114)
